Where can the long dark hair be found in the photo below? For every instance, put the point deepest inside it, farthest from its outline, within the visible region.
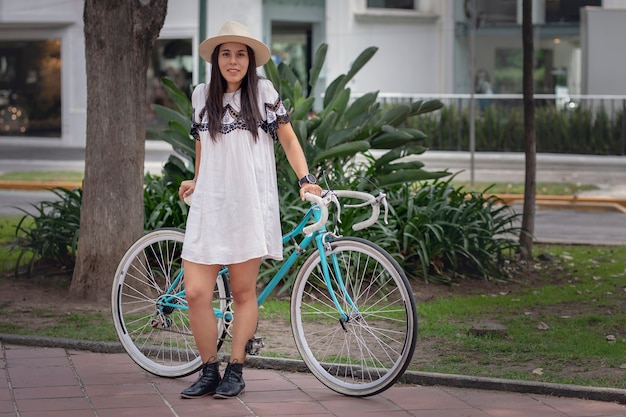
(249, 93)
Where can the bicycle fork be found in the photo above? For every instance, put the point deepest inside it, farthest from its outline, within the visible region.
(323, 244)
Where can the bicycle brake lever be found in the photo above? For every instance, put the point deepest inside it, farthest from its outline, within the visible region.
(382, 197)
(335, 200)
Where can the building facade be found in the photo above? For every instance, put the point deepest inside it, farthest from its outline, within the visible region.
(424, 47)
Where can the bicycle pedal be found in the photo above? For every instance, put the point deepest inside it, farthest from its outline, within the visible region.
(254, 345)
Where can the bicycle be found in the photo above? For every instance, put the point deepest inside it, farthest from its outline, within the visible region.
(353, 314)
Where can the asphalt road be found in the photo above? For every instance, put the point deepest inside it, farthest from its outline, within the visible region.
(584, 225)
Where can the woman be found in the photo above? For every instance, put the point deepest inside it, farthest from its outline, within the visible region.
(234, 215)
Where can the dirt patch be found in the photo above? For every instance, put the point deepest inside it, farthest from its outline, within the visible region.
(38, 301)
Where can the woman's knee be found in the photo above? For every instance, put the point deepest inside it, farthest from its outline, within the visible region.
(199, 283)
(195, 294)
(245, 295)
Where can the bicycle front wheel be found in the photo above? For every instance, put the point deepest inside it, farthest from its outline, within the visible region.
(150, 309)
(364, 352)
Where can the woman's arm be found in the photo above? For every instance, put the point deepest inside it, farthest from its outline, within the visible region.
(198, 154)
(187, 187)
(289, 141)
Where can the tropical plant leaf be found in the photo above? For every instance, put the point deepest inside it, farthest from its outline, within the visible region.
(318, 63)
(360, 61)
(408, 176)
(345, 149)
(302, 108)
(360, 105)
(421, 107)
(271, 72)
(171, 115)
(333, 90)
(180, 98)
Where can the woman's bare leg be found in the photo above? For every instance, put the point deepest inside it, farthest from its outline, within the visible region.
(199, 286)
(243, 278)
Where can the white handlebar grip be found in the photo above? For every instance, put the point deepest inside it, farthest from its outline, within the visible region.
(367, 223)
(308, 230)
(368, 198)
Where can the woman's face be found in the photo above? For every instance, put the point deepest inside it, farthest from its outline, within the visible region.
(233, 63)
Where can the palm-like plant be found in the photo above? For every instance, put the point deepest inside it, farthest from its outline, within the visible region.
(331, 138)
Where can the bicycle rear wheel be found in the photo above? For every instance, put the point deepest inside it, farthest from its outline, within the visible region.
(366, 352)
(149, 306)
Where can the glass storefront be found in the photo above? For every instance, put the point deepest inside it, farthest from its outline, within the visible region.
(30, 88)
(171, 58)
(291, 44)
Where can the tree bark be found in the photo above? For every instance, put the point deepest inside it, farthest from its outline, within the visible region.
(119, 36)
(530, 147)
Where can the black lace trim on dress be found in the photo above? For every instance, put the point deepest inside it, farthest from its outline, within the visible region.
(231, 120)
(194, 131)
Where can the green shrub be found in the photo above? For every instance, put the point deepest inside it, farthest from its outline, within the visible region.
(50, 234)
(444, 232)
(499, 127)
(162, 206)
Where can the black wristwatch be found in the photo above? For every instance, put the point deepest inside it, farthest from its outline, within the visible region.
(307, 179)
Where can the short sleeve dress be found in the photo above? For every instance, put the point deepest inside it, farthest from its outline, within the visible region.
(234, 214)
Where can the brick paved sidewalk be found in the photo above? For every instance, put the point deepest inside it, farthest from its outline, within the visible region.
(55, 382)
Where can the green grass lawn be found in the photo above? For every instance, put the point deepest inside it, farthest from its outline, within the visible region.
(42, 176)
(548, 188)
(571, 329)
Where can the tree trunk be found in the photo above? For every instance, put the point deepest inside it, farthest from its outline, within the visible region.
(530, 147)
(119, 36)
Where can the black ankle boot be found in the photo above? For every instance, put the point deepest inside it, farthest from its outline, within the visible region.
(232, 384)
(207, 382)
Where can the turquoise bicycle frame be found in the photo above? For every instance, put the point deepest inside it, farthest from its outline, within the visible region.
(177, 300)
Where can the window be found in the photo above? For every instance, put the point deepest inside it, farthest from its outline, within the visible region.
(508, 71)
(291, 44)
(391, 4)
(171, 58)
(567, 10)
(30, 88)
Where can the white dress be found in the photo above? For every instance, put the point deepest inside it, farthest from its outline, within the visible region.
(234, 214)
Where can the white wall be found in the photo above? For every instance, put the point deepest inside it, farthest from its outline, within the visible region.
(603, 50)
(409, 58)
(614, 4)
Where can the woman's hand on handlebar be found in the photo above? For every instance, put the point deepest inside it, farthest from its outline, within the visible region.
(310, 188)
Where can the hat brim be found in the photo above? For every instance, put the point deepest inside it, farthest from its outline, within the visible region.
(261, 51)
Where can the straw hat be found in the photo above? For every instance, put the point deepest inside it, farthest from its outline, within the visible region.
(235, 32)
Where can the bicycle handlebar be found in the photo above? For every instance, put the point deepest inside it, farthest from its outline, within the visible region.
(331, 196)
(323, 206)
(369, 200)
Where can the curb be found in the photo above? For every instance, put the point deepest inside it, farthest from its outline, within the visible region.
(410, 377)
(39, 185)
(569, 202)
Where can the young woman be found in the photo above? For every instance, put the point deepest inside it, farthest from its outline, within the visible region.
(234, 215)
